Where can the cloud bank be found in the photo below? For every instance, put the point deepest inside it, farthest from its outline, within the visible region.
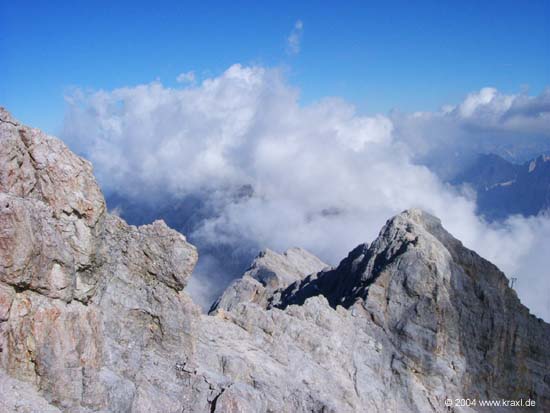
(321, 176)
(516, 127)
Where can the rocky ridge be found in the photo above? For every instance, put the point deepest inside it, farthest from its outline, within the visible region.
(269, 273)
(94, 316)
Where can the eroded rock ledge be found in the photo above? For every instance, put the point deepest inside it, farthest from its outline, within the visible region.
(94, 316)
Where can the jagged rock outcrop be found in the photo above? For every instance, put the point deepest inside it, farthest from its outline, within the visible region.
(92, 312)
(94, 316)
(268, 273)
(434, 321)
(447, 312)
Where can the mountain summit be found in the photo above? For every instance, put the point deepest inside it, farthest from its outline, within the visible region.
(94, 315)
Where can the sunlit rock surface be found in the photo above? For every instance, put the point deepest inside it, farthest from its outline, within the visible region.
(268, 273)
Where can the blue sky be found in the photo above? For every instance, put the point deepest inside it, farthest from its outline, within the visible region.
(378, 55)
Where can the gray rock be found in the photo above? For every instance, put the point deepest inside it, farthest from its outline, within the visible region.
(268, 273)
(94, 316)
(21, 397)
(92, 310)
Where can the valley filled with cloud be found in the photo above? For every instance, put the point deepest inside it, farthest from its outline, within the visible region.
(253, 167)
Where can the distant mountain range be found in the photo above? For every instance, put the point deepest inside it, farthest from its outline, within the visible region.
(504, 188)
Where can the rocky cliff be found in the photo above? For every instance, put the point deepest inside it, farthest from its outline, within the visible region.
(94, 316)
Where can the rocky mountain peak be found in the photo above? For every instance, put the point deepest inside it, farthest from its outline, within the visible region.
(275, 270)
(413, 233)
(268, 273)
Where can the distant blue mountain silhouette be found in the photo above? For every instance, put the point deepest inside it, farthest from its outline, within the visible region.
(504, 188)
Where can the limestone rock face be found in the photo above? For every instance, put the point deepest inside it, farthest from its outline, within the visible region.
(416, 318)
(21, 397)
(268, 273)
(92, 312)
(94, 316)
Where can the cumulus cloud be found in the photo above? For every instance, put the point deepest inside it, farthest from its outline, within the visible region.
(294, 39)
(489, 109)
(516, 127)
(186, 77)
(319, 176)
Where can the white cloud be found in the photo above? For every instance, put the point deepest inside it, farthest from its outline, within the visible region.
(186, 77)
(324, 177)
(295, 38)
(518, 126)
(490, 109)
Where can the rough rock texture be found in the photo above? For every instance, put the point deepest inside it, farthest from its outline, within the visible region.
(454, 324)
(21, 397)
(94, 316)
(92, 312)
(268, 273)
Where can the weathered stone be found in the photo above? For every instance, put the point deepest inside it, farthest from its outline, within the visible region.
(21, 397)
(268, 273)
(7, 295)
(91, 309)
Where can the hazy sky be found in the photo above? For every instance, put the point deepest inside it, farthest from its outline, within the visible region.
(377, 55)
